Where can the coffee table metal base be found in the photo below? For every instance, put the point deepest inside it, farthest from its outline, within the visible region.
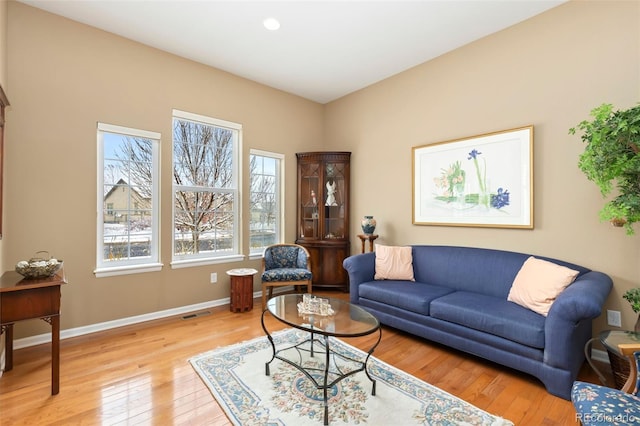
(330, 374)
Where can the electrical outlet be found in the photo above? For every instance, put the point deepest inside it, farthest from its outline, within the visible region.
(214, 277)
(613, 318)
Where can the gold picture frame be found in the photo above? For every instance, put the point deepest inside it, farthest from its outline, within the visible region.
(479, 181)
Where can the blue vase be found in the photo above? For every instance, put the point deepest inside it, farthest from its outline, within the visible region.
(368, 225)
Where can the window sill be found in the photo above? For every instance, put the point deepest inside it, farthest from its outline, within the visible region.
(177, 264)
(126, 270)
(256, 256)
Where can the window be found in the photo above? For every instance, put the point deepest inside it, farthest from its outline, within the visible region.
(128, 200)
(205, 189)
(266, 189)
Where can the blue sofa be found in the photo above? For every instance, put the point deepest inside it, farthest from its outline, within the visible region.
(459, 299)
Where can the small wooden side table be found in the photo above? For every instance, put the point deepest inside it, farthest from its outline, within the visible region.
(370, 238)
(241, 289)
(22, 299)
(610, 339)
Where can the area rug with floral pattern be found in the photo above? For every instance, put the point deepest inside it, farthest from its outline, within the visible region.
(237, 379)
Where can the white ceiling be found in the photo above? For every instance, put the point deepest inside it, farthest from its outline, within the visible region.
(323, 49)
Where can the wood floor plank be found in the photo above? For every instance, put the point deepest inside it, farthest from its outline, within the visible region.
(140, 375)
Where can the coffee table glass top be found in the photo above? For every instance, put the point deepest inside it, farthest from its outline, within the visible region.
(347, 320)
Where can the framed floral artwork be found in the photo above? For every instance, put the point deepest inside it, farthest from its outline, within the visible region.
(481, 181)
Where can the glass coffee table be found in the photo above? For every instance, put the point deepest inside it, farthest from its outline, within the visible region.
(345, 321)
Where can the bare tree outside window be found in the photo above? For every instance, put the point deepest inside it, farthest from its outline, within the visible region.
(137, 154)
(127, 197)
(127, 201)
(264, 187)
(204, 188)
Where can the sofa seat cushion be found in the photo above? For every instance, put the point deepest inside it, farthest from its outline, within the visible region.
(412, 296)
(491, 315)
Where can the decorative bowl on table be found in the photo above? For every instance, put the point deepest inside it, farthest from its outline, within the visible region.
(38, 267)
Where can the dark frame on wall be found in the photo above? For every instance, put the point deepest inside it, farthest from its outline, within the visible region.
(4, 102)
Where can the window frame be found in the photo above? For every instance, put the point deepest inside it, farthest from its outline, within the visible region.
(199, 259)
(279, 193)
(129, 266)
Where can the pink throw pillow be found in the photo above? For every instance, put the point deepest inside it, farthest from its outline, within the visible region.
(538, 284)
(394, 263)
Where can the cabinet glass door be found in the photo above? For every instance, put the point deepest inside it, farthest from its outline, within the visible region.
(310, 201)
(334, 201)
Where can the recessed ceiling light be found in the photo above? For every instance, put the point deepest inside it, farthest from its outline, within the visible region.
(271, 24)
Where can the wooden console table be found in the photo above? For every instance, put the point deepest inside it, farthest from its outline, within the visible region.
(22, 299)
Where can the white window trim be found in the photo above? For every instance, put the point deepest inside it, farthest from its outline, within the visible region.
(201, 259)
(132, 266)
(178, 264)
(280, 194)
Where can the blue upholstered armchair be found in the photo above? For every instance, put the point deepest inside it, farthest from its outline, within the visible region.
(284, 265)
(600, 405)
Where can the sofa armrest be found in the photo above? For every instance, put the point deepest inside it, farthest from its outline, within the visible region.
(583, 299)
(361, 269)
(568, 325)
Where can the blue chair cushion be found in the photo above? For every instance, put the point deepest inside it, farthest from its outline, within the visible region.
(286, 274)
(600, 405)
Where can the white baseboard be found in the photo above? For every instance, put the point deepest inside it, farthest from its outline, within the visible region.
(80, 331)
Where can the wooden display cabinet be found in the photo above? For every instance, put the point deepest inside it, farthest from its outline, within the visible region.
(323, 214)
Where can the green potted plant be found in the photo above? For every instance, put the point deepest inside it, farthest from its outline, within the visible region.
(611, 159)
(633, 297)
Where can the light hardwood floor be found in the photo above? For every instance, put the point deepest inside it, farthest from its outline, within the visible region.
(140, 374)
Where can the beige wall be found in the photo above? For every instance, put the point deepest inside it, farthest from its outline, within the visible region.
(549, 72)
(65, 77)
(3, 75)
(3, 80)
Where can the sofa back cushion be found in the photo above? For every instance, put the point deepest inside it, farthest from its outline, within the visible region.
(479, 270)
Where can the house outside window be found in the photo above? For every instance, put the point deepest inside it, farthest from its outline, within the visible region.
(266, 186)
(206, 202)
(128, 200)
